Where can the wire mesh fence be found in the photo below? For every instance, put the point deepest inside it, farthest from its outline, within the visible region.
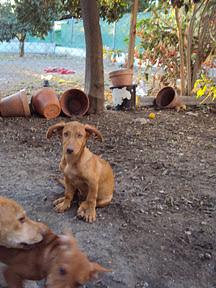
(60, 56)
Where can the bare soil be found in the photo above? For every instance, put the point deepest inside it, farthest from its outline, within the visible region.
(159, 231)
(18, 73)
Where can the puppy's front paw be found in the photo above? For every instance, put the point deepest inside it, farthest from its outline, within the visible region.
(62, 204)
(86, 212)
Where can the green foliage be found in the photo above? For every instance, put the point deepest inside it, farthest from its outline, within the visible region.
(16, 22)
(109, 10)
(158, 34)
(39, 18)
(205, 88)
(25, 16)
(9, 26)
(112, 10)
(185, 3)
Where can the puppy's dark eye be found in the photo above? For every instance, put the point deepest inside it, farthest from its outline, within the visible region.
(22, 220)
(62, 271)
(65, 134)
(79, 135)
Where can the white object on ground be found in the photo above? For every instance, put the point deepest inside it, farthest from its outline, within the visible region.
(119, 94)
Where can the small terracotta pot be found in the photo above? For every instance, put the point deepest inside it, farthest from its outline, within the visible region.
(46, 103)
(167, 98)
(122, 77)
(15, 105)
(74, 102)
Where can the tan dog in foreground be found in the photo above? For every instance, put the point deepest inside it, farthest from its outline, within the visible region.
(83, 170)
(16, 229)
(56, 258)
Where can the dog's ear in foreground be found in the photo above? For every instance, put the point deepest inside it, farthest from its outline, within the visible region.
(58, 127)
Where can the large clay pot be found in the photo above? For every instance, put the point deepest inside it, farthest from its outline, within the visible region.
(123, 77)
(167, 98)
(15, 105)
(74, 102)
(46, 103)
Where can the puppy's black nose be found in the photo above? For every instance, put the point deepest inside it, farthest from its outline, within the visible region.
(69, 150)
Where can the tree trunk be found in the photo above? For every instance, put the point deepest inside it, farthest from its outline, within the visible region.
(189, 47)
(21, 47)
(132, 34)
(181, 50)
(196, 68)
(94, 72)
(203, 39)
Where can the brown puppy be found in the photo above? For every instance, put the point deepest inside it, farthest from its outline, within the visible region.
(56, 258)
(83, 170)
(16, 229)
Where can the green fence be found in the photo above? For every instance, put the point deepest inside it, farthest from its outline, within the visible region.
(70, 33)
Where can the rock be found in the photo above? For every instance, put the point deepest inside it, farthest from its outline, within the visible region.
(192, 114)
(205, 256)
(142, 121)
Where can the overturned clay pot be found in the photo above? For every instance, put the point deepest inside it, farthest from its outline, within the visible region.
(45, 102)
(168, 98)
(15, 105)
(74, 102)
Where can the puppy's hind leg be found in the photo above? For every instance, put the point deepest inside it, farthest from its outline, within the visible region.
(103, 202)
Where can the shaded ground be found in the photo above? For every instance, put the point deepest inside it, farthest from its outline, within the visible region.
(159, 231)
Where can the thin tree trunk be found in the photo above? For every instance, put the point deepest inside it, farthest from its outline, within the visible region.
(189, 46)
(94, 72)
(132, 34)
(203, 31)
(196, 69)
(181, 50)
(21, 47)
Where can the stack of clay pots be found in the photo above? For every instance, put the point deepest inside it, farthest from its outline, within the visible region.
(46, 103)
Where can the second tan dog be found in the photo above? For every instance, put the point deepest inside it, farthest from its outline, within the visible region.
(16, 229)
(83, 170)
(57, 259)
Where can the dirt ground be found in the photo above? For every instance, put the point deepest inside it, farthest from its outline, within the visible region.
(159, 231)
(18, 73)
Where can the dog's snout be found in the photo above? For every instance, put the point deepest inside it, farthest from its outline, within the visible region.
(69, 150)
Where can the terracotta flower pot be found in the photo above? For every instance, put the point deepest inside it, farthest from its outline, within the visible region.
(167, 98)
(122, 77)
(74, 102)
(15, 105)
(46, 103)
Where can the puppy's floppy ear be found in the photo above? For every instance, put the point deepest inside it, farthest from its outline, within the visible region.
(67, 239)
(58, 127)
(93, 130)
(97, 268)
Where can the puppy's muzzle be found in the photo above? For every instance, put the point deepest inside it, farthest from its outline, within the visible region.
(69, 150)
